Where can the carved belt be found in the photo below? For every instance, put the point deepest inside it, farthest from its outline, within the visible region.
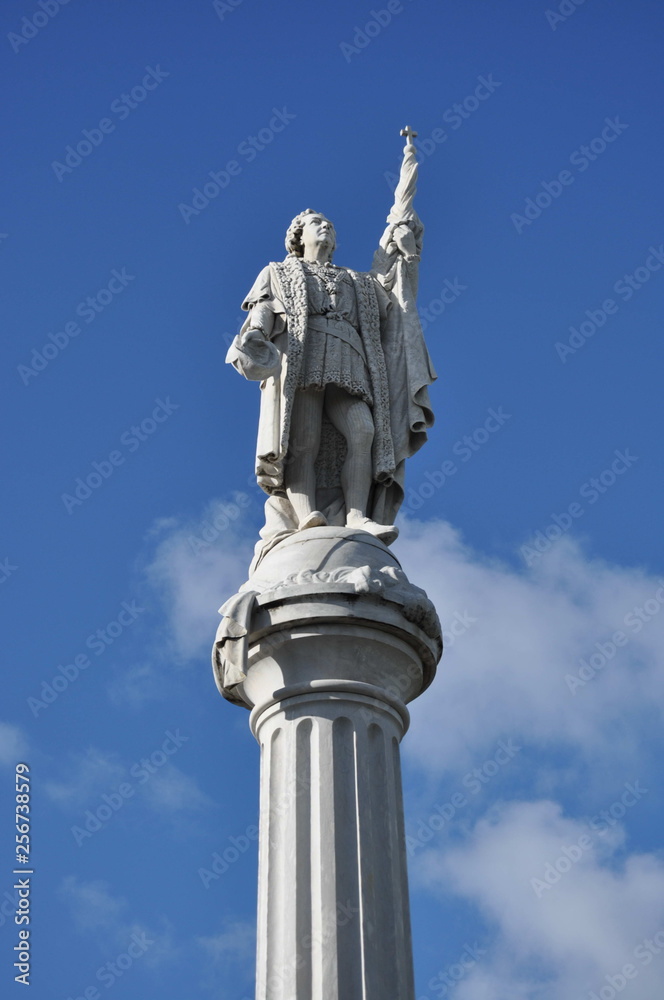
(340, 328)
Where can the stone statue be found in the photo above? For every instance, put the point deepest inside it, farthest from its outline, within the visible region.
(344, 375)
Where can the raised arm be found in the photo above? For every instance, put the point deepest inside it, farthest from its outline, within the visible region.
(402, 238)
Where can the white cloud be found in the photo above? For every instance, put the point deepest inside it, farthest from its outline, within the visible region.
(13, 745)
(161, 786)
(235, 943)
(505, 674)
(138, 685)
(592, 919)
(170, 790)
(97, 912)
(195, 577)
(91, 903)
(84, 776)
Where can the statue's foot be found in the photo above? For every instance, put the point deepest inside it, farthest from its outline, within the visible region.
(313, 520)
(387, 533)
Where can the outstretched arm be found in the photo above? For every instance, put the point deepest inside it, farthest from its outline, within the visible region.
(403, 236)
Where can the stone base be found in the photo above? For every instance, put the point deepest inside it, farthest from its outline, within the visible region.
(325, 577)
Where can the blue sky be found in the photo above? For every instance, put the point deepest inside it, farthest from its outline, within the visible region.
(537, 534)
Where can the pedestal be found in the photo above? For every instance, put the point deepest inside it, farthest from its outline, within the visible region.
(327, 655)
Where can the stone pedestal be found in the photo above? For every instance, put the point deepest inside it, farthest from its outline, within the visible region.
(326, 644)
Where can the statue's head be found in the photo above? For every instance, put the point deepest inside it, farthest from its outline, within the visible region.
(310, 227)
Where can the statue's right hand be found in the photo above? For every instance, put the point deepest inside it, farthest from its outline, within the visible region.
(262, 356)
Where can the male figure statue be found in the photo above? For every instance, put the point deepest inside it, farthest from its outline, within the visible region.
(344, 372)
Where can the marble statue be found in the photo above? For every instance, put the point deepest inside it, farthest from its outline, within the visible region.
(344, 374)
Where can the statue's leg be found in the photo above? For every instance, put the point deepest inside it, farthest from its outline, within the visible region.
(352, 417)
(304, 442)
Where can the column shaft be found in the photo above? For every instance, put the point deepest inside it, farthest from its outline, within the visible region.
(333, 915)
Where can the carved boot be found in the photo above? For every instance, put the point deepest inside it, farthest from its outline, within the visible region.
(313, 520)
(385, 532)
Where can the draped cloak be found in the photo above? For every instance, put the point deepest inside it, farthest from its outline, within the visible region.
(399, 367)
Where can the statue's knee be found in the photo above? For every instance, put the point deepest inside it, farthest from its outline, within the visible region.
(306, 442)
(364, 435)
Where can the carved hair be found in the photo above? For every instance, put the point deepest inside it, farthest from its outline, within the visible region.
(294, 234)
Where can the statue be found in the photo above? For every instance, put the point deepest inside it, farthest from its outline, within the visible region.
(344, 373)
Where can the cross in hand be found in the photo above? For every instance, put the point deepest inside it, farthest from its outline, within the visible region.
(410, 135)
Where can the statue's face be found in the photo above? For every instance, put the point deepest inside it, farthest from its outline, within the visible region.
(317, 231)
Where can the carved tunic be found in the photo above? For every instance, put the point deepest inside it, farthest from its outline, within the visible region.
(333, 351)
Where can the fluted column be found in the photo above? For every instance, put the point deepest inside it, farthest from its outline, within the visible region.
(333, 917)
